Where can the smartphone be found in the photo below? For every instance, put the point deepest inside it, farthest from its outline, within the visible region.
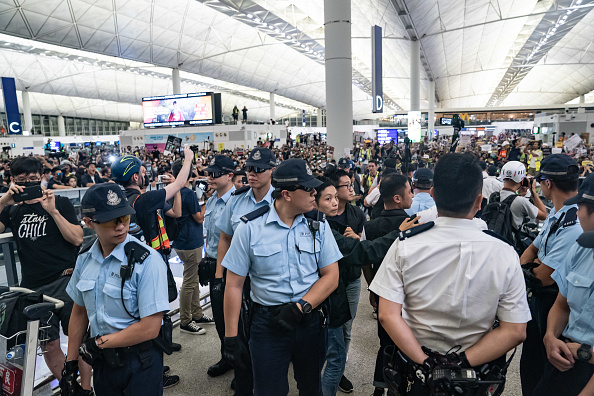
(160, 178)
(244, 180)
(29, 193)
(202, 185)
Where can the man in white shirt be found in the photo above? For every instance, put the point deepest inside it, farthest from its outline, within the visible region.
(491, 184)
(472, 277)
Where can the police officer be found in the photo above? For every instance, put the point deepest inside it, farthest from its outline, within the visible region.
(558, 180)
(220, 180)
(472, 278)
(570, 331)
(422, 181)
(119, 287)
(293, 268)
(258, 167)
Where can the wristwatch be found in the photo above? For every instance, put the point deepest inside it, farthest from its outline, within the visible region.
(584, 353)
(305, 306)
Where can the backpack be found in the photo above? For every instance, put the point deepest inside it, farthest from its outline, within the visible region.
(497, 214)
(174, 226)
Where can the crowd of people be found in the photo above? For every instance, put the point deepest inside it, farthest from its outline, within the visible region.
(445, 233)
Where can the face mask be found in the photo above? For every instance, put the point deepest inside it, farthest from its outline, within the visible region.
(29, 184)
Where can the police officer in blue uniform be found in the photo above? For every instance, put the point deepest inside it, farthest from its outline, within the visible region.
(292, 262)
(220, 179)
(259, 168)
(119, 287)
(558, 180)
(570, 330)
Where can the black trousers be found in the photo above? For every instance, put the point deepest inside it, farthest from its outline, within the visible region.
(534, 353)
(568, 383)
(378, 376)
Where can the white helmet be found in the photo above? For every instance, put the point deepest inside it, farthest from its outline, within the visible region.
(514, 170)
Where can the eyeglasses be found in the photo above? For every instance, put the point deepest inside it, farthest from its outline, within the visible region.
(26, 179)
(113, 222)
(215, 175)
(294, 188)
(349, 186)
(255, 169)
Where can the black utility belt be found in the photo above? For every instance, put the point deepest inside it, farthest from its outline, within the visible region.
(133, 349)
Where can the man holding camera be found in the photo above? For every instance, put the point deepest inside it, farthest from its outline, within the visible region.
(47, 234)
(293, 267)
(473, 277)
(119, 288)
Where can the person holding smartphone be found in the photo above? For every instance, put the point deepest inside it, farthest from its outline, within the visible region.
(47, 234)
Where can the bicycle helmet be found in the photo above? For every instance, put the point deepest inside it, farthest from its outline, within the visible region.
(124, 167)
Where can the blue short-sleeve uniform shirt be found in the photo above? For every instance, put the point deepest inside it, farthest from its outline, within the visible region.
(282, 261)
(421, 201)
(553, 249)
(96, 285)
(575, 279)
(214, 208)
(238, 206)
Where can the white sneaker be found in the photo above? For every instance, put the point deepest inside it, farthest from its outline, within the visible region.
(192, 328)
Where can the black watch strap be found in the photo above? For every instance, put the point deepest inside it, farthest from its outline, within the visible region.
(584, 352)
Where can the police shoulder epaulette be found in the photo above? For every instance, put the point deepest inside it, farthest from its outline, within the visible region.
(138, 251)
(315, 215)
(255, 214)
(495, 235)
(586, 239)
(241, 190)
(570, 218)
(416, 230)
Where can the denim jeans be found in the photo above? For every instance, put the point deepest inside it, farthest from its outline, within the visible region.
(335, 361)
(353, 291)
(273, 351)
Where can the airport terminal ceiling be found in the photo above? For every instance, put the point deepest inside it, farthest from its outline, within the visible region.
(99, 58)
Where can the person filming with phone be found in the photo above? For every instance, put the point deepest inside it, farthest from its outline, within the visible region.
(47, 234)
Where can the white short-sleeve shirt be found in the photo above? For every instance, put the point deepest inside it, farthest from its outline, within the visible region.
(452, 280)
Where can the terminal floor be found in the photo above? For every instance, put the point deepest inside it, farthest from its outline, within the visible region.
(200, 351)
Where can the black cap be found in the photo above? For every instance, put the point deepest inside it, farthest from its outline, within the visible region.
(104, 202)
(492, 170)
(558, 166)
(262, 158)
(586, 239)
(292, 172)
(221, 163)
(344, 163)
(585, 193)
(423, 176)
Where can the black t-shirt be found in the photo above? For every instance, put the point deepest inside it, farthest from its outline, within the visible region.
(53, 182)
(43, 251)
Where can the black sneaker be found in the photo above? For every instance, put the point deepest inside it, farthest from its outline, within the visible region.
(175, 347)
(378, 392)
(165, 369)
(233, 383)
(345, 385)
(204, 320)
(170, 380)
(192, 328)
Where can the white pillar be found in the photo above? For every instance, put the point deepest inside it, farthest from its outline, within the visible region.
(176, 81)
(339, 75)
(415, 77)
(27, 113)
(582, 99)
(272, 107)
(431, 108)
(61, 126)
(319, 117)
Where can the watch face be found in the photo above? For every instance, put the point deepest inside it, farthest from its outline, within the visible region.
(307, 308)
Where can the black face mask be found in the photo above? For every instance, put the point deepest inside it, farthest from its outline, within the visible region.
(29, 184)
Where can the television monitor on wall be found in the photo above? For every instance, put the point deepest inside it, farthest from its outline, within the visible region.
(178, 110)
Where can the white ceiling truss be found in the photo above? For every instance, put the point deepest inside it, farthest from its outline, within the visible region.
(478, 52)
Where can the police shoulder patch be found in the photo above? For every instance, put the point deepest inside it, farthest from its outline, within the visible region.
(570, 218)
(137, 251)
(255, 214)
(241, 190)
(495, 235)
(415, 230)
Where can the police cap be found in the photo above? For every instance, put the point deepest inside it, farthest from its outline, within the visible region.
(261, 157)
(558, 166)
(585, 193)
(104, 202)
(292, 172)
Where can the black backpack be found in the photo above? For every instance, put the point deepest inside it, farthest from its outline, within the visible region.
(497, 214)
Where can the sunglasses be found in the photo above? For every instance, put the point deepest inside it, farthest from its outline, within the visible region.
(294, 188)
(113, 222)
(215, 175)
(255, 169)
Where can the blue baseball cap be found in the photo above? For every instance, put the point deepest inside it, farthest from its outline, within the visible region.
(294, 172)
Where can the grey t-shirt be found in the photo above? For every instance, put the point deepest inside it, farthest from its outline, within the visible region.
(520, 208)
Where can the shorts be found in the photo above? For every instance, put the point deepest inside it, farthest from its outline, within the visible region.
(57, 289)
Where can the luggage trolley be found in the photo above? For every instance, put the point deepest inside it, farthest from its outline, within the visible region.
(17, 362)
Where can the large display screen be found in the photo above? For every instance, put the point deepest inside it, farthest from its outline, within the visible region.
(178, 110)
(386, 135)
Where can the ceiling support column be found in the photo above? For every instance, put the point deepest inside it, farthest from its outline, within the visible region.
(176, 81)
(339, 76)
(61, 126)
(27, 113)
(415, 75)
(431, 109)
(272, 107)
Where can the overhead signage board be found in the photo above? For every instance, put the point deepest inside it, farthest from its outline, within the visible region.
(377, 92)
